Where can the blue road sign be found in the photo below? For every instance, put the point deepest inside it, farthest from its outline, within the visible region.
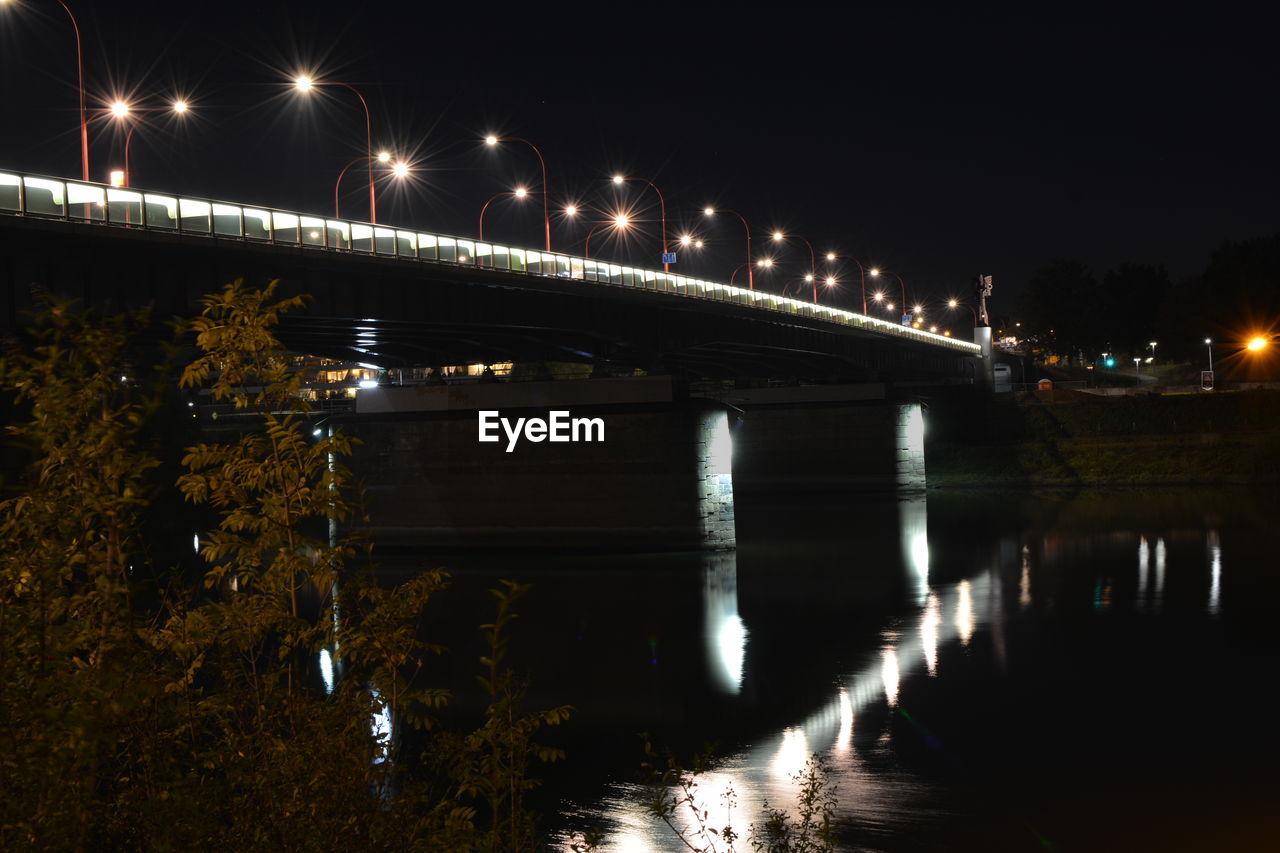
(668, 257)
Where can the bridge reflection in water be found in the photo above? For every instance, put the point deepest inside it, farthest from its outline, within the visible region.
(850, 729)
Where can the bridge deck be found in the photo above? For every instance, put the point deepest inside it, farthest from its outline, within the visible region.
(52, 198)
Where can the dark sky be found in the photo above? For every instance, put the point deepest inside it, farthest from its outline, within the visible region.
(938, 143)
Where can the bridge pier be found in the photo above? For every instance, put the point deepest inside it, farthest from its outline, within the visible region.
(839, 437)
(660, 480)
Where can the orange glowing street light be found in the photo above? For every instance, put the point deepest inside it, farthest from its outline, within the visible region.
(751, 281)
(304, 83)
(619, 180)
(1257, 343)
(518, 192)
(812, 276)
(620, 222)
(863, 272)
(956, 303)
(399, 169)
(120, 110)
(492, 140)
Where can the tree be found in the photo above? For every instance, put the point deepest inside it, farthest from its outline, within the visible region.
(79, 688)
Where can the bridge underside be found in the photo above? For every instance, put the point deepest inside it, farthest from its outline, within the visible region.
(399, 313)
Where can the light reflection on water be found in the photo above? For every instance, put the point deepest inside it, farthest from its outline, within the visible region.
(948, 620)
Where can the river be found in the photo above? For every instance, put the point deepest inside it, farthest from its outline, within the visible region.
(984, 670)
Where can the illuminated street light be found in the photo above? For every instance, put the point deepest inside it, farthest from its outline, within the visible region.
(304, 84)
(1209, 343)
(863, 272)
(751, 281)
(1258, 343)
(571, 210)
(384, 156)
(955, 303)
(518, 192)
(690, 240)
(400, 170)
(619, 222)
(902, 286)
(778, 237)
(120, 110)
(662, 207)
(492, 140)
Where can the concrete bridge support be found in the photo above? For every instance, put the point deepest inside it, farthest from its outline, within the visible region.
(660, 480)
(840, 437)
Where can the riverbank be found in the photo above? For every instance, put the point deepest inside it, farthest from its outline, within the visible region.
(1068, 438)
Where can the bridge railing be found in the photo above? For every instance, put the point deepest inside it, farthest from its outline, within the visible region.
(78, 201)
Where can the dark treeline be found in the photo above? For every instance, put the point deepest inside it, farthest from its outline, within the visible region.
(1068, 309)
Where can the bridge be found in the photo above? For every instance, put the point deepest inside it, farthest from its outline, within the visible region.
(702, 385)
(396, 297)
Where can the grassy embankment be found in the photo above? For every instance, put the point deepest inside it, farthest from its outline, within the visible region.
(1066, 438)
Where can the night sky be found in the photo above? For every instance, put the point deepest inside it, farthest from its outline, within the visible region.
(939, 144)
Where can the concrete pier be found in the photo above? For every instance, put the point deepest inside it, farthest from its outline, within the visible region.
(660, 480)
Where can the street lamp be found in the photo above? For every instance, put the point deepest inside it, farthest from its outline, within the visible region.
(955, 303)
(620, 222)
(1209, 343)
(121, 110)
(398, 169)
(1137, 369)
(863, 272)
(1153, 351)
(492, 140)
(812, 277)
(619, 180)
(84, 113)
(518, 192)
(751, 281)
(304, 84)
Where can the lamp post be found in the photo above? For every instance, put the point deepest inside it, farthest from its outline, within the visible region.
(546, 215)
(120, 111)
(751, 280)
(399, 170)
(812, 277)
(84, 113)
(902, 286)
(518, 192)
(305, 84)
(1137, 369)
(1209, 343)
(955, 303)
(1153, 351)
(662, 206)
(863, 272)
(620, 222)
